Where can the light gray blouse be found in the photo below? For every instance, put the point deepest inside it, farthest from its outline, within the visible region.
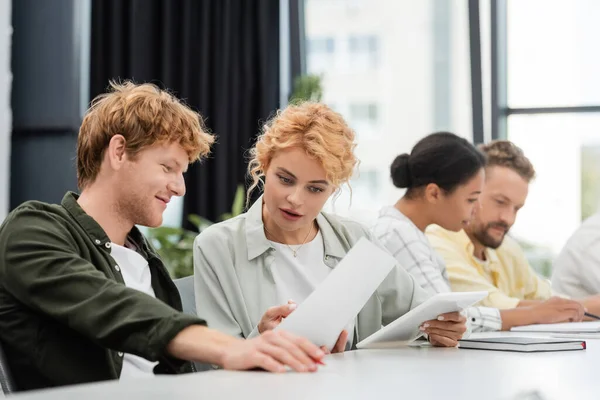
(234, 284)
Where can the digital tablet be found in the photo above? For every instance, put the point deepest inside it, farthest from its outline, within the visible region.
(406, 327)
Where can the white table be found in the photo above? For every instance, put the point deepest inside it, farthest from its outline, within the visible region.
(407, 373)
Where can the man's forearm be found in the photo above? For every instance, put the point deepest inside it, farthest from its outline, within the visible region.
(201, 344)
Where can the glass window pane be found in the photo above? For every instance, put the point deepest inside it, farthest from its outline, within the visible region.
(363, 112)
(320, 51)
(391, 90)
(552, 56)
(564, 150)
(362, 117)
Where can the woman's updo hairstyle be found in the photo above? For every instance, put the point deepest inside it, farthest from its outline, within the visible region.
(442, 158)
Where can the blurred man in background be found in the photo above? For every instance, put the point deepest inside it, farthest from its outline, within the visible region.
(482, 256)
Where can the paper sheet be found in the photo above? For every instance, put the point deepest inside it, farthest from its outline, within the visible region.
(406, 327)
(338, 299)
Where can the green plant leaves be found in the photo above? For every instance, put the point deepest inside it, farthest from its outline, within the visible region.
(307, 88)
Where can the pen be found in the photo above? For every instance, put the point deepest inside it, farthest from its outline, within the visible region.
(587, 314)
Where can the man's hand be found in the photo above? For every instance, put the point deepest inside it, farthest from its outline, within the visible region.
(273, 351)
(557, 309)
(445, 331)
(591, 304)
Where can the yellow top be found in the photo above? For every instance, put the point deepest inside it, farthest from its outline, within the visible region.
(505, 274)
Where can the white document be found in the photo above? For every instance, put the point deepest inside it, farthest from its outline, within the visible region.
(405, 329)
(335, 302)
(565, 327)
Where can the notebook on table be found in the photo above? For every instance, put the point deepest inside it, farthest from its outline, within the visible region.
(522, 344)
(566, 327)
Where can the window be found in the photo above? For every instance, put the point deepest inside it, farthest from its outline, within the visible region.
(320, 53)
(363, 112)
(366, 189)
(367, 186)
(557, 145)
(551, 53)
(362, 52)
(551, 80)
(363, 118)
(363, 44)
(400, 70)
(320, 46)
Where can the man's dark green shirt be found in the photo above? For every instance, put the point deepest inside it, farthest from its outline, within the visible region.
(66, 316)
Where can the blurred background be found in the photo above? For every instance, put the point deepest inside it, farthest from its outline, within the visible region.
(397, 70)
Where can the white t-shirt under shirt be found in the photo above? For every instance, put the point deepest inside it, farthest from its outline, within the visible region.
(297, 277)
(136, 274)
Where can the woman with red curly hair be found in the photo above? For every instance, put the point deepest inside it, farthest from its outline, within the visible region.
(252, 270)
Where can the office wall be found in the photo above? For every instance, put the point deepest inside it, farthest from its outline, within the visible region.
(5, 112)
(50, 90)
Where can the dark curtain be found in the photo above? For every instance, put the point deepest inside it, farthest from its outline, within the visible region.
(297, 39)
(220, 56)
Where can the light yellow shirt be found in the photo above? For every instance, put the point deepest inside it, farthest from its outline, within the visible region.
(506, 274)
